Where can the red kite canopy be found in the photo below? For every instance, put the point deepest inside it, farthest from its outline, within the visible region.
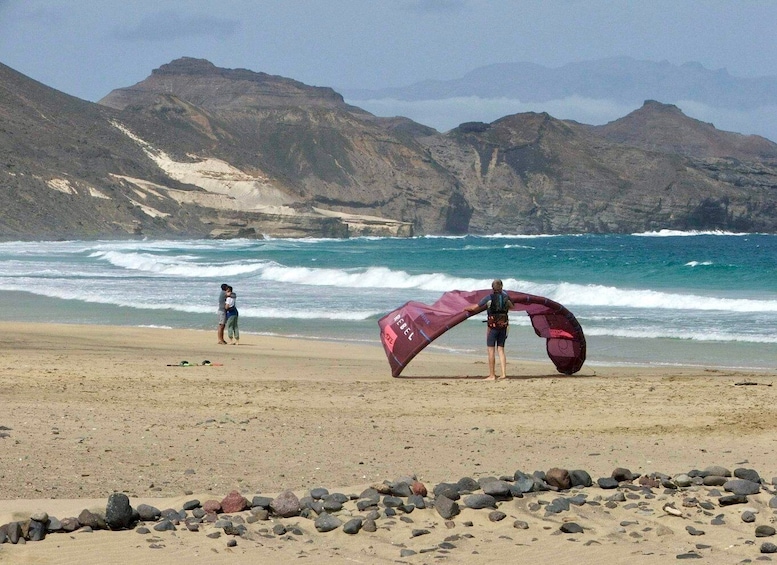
(408, 329)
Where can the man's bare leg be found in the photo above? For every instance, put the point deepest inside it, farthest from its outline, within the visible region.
(221, 334)
(491, 364)
(503, 362)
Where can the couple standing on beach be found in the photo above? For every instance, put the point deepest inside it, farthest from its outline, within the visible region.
(228, 316)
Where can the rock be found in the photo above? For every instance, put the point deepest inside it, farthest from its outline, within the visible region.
(496, 516)
(118, 512)
(36, 530)
(369, 525)
(520, 525)
(768, 547)
(53, 524)
(682, 480)
(261, 502)
(191, 505)
(70, 524)
(742, 486)
(318, 493)
(392, 501)
(468, 484)
(693, 531)
(148, 513)
(499, 489)
(571, 528)
(718, 471)
(714, 480)
(732, 499)
(211, 506)
(418, 532)
(327, 523)
(607, 483)
(523, 482)
(747, 474)
(622, 474)
(418, 488)
(401, 489)
(286, 505)
(448, 490)
(580, 478)
(479, 501)
(165, 526)
(446, 507)
(748, 516)
(557, 506)
(764, 531)
(353, 526)
(234, 502)
(558, 478)
(14, 532)
(94, 521)
(417, 500)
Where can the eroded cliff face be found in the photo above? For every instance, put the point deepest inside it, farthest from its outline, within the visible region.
(199, 151)
(530, 173)
(310, 146)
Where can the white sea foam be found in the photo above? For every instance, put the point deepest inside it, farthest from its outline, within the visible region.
(673, 333)
(181, 265)
(690, 233)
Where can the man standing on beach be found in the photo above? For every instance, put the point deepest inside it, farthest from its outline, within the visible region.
(222, 312)
(497, 303)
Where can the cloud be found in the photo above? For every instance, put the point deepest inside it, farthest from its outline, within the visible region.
(166, 25)
(446, 114)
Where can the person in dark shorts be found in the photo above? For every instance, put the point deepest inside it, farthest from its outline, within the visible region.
(498, 304)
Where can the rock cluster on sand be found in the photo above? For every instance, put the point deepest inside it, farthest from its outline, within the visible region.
(703, 497)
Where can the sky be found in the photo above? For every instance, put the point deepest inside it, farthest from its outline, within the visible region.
(87, 48)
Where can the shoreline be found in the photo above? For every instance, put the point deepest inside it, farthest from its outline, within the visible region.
(92, 410)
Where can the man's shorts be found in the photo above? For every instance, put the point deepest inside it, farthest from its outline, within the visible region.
(222, 317)
(496, 337)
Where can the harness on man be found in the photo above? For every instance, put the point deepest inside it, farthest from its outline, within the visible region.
(497, 311)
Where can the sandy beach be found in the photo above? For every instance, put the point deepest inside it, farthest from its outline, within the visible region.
(86, 411)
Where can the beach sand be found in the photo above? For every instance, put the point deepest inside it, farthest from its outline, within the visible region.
(86, 411)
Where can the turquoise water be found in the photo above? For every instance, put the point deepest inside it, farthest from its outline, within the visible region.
(659, 298)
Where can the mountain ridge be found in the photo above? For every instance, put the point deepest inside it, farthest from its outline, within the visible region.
(194, 150)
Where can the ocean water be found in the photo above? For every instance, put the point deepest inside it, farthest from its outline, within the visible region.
(665, 298)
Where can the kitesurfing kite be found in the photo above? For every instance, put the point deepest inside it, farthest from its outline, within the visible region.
(408, 329)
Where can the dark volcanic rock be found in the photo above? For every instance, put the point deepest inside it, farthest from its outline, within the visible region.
(118, 512)
(742, 486)
(479, 501)
(148, 513)
(327, 523)
(580, 478)
(446, 507)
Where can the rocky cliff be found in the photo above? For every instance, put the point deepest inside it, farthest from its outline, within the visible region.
(199, 151)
